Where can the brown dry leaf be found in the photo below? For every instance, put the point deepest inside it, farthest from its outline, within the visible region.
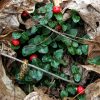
(8, 91)
(93, 91)
(95, 68)
(3, 3)
(5, 48)
(66, 15)
(89, 11)
(10, 9)
(38, 94)
(29, 23)
(6, 34)
(94, 47)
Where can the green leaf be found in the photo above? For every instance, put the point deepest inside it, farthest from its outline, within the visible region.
(25, 36)
(64, 27)
(95, 60)
(36, 74)
(59, 17)
(49, 15)
(37, 62)
(84, 49)
(35, 40)
(46, 58)
(75, 18)
(74, 69)
(42, 10)
(37, 17)
(47, 41)
(79, 51)
(47, 67)
(15, 47)
(65, 40)
(63, 75)
(16, 35)
(71, 50)
(43, 21)
(49, 7)
(73, 32)
(22, 40)
(55, 64)
(63, 62)
(54, 45)
(33, 30)
(58, 54)
(81, 97)
(75, 44)
(63, 93)
(45, 31)
(77, 77)
(43, 49)
(28, 78)
(28, 49)
(52, 24)
(71, 89)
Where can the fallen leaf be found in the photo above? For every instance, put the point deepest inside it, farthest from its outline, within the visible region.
(8, 91)
(5, 48)
(94, 47)
(95, 68)
(38, 94)
(89, 11)
(93, 91)
(10, 9)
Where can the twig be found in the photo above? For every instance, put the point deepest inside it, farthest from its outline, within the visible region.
(30, 65)
(77, 39)
(59, 33)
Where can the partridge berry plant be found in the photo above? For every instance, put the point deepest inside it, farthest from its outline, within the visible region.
(42, 40)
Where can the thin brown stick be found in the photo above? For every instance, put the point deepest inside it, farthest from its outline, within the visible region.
(78, 39)
(37, 68)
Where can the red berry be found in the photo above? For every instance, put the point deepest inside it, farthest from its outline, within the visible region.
(15, 42)
(80, 90)
(25, 14)
(33, 56)
(58, 27)
(56, 9)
